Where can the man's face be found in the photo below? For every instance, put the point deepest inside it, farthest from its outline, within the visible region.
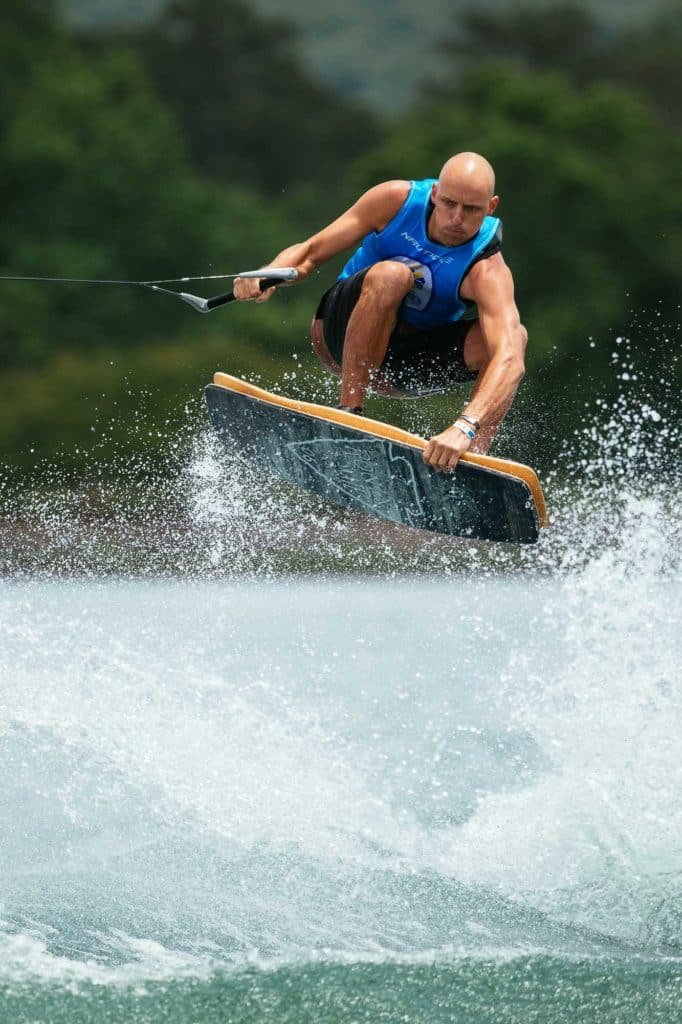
(459, 210)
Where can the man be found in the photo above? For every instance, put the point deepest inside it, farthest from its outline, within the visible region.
(426, 302)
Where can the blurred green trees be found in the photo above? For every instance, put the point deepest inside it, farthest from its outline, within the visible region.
(569, 38)
(197, 145)
(248, 110)
(94, 183)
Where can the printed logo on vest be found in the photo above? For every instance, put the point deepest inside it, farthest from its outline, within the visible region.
(419, 295)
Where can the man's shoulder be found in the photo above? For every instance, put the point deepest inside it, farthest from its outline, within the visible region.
(386, 199)
(485, 275)
(489, 268)
(396, 190)
(397, 185)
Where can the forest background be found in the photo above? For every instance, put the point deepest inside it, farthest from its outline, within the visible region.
(153, 140)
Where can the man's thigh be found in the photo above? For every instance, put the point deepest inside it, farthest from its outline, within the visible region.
(335, 310)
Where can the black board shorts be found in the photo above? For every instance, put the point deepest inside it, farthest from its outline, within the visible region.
(418, 361)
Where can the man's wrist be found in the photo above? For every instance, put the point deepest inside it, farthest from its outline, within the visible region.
(464, 428)
(470, 420)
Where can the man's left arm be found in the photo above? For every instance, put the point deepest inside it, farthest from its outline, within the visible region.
(499, 359)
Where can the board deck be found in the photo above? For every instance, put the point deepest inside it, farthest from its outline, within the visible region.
(374, 467)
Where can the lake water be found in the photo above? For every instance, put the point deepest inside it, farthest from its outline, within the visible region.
(441, 786)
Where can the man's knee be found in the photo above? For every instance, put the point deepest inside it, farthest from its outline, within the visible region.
(388, 281)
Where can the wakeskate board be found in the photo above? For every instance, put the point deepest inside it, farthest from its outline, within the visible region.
(374, 467)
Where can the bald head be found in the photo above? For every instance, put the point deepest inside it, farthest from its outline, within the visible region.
(462, 197)
(471, 171)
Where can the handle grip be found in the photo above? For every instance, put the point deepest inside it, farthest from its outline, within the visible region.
(222, 300)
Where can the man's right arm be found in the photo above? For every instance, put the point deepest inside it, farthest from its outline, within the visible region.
(371, 212)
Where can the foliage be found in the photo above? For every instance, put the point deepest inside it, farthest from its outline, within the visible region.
(88, 161)
(570, 38)
(94, 183)
(373, 52)
(249, 113)
(564, 37)
(112, 400)
(647, 61)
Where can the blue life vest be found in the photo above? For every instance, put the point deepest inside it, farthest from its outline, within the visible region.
(438, 269)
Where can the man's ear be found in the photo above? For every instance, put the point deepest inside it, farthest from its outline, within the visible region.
(492, 205)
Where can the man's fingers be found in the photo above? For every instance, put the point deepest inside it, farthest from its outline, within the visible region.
(444, 455)
(447, 464)
(241, 289)
(438, 456)
(430, 454)
(245, 289)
